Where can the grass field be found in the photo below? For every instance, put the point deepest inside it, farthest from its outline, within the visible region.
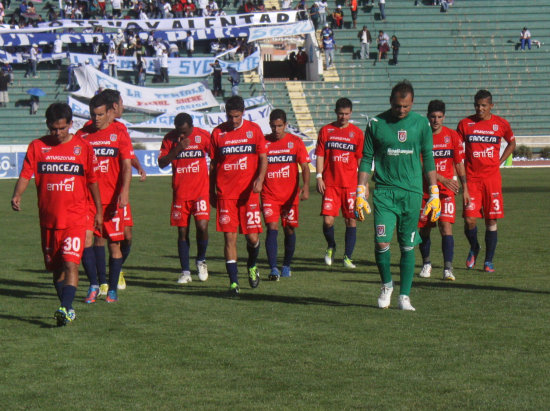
(314, 341)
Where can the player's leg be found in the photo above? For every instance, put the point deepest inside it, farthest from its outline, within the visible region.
(183, 254)
(126, 244)
(202, 245)
(228, 223)
(115, 265)
(493, 206)
(89, 264)
(425, 228)
(100, 260)
(290, 223)
(490, 244)
(250, 222)
(329, 210)
(471, 213)
(271, 248)
(447, 247)
(348, 211)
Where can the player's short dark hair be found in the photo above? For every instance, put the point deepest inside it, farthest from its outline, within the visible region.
(436, 105)
(59, 111)
(277, 114)
(343, 102)
(482, 94)
(100, 100)
(111, 95)
(234, 103)
(402, 89)
(183, 118)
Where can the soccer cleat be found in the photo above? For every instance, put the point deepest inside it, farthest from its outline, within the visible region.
(286, 272)
(185, 277)
(329, 256)
(274, 275)
(62, 317)
(71, 314)
(234, 290)
(488, 267)
(426, 271)
(121, 281)
(405, 303)
(103, 289)
(112, 296)
(385, 297)
(448, 275)
(253, 276)
(348, 263)
(202, 268)
(471, 260)
(93, 292)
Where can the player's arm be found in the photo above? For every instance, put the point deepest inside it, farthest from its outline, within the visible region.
(96, 197)
(137, 165)
(304, 192)
(262, 170)
(212, 176)
(183, 143)
(319, 165)
(448, 182)
(18, 191)
(124, 196)
(461, 173)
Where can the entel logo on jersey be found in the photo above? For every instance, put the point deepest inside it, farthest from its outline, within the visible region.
(242, 164)
(402, 135)
(65, 185)
(441, 166)
(282, 173)
(104, 166)
(191, 168)
(342, 158)
(489, 152)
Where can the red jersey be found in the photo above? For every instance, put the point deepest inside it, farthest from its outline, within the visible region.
(236, 154)
(111, 146)
(482, 140)
(342, 148)
(62, 175)
(283, 157)
(189, 168)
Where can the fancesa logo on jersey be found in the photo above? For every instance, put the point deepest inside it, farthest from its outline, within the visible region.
(60, 168)
(238, 149)
(476, 138)
(284, 172)
(489, 152)
(341, 158)
(339, 145)
(65, 185)
(101, 151)
(103, 166)
(443, 153)
(191, 154)
(194, 167)
(241, 164)
(282, 158)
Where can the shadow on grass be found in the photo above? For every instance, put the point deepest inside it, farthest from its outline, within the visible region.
(454, 284)
(30, 320)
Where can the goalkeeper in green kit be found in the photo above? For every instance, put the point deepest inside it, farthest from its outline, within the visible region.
(400, 143)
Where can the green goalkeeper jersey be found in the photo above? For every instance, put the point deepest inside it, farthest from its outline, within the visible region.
(400, 149)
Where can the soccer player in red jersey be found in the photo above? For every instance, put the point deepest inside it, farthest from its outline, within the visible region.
(237, 173)
(448, 154)
(114, 152)
(64, 167)
(114, 97)
(482, 134)
(186, 148)
(281, 192)
(339, 149)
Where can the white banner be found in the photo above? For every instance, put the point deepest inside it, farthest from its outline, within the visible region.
(236, 20)
(255, 115)
(146, 99)
(166, 121)
(177, 67)
(286, 30)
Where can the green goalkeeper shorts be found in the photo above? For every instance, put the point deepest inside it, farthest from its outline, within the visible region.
(396, 207)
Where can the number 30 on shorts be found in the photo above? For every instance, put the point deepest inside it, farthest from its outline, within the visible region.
(71, 244)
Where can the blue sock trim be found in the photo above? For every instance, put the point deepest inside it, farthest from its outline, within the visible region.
(89, 264)
(67, 296)
(448, 246)
(232, 271)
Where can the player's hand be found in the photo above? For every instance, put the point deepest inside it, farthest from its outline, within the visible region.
(433, 205)
(123, 199)
(183, 143)
(304, 193)
(321, 186)
(451, 184)
(361, 204)
(142, 175)
(466, 196)
(98, 222)
(258, 185)
(16, 203)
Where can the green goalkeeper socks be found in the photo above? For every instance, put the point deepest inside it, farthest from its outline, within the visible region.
(407, 270)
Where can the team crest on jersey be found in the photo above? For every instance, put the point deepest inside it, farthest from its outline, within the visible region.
(380, 230)
(198, 139)
(495, 127)
(351, 134)
(113, 137)
(290, 144)
(447, 139)
(225, 219)
(77, 150)
(249, 134)
(402, 135)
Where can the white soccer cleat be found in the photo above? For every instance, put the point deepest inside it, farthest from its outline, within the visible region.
(185, 277)
(385, 297)
(426, 271)
(202, 268)
(448, 275)
(329, 256)
(405, 303)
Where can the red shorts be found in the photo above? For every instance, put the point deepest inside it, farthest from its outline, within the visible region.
(242, 214)
(448, 211)
(113, 222)
(128, 219)
(287, 212)
(336, 198)
(65, 245)
(182, 210)
(485, 199)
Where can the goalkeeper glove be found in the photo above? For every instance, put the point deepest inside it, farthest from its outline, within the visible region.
(433, 204)
(361, 204)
